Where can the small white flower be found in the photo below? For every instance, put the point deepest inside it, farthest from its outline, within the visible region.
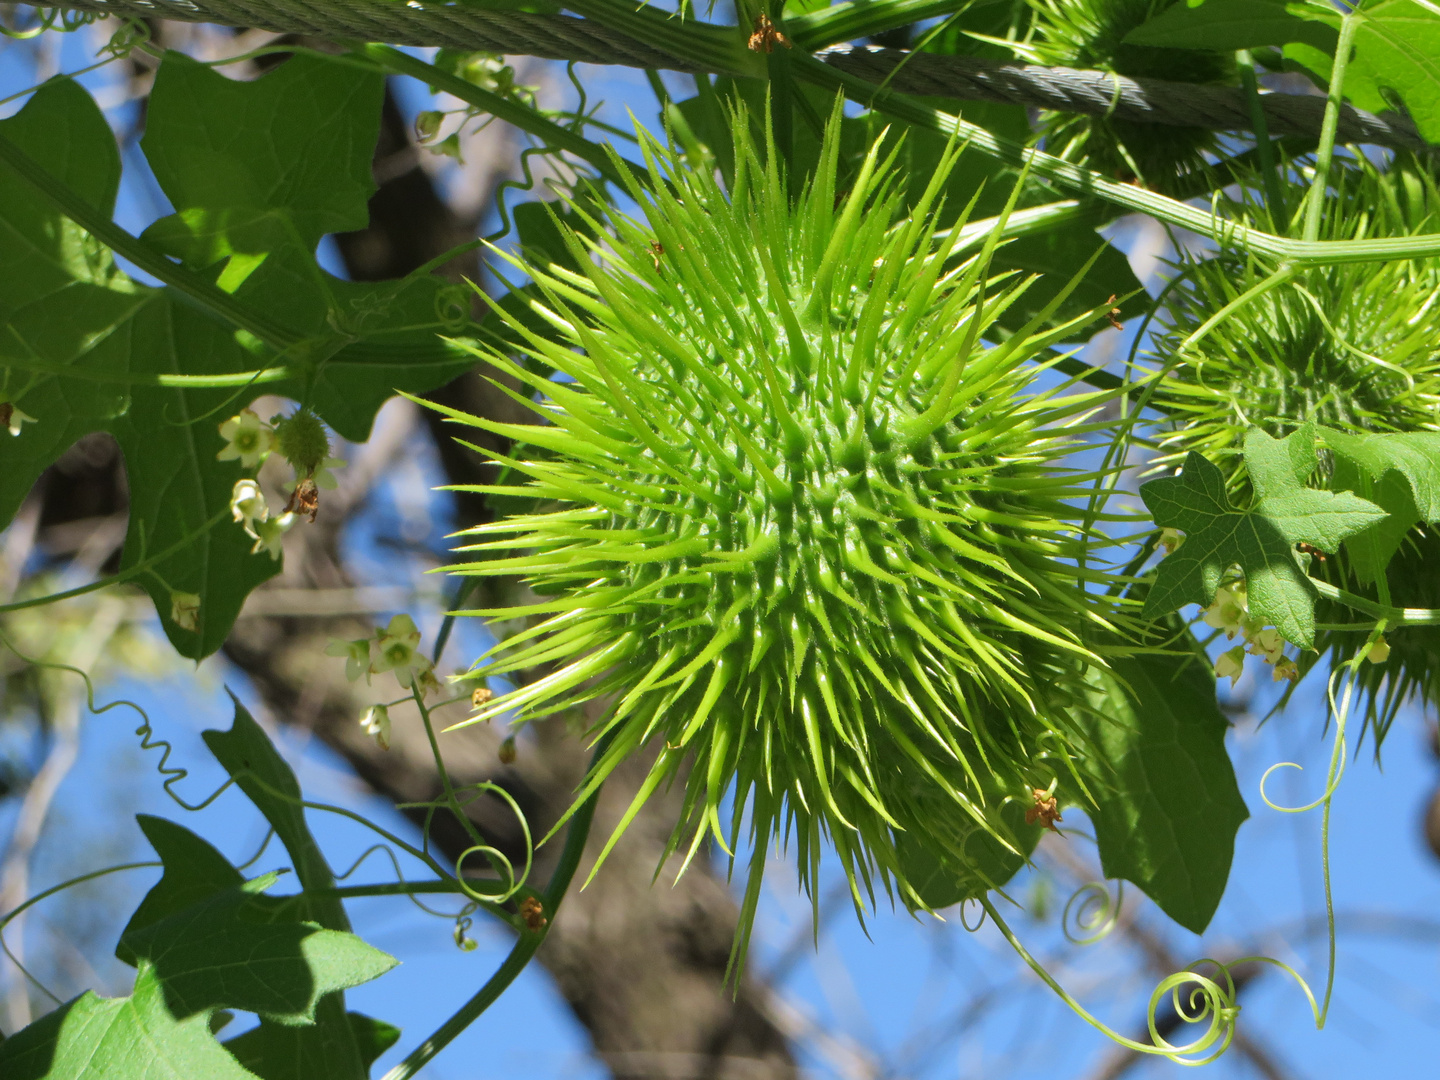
(12, 418)
(1170, 539)
(184, 609)
(1231, 664)
(247, 437)
(1379, 652)
(248, 505)
(1267, 643)
(395, 649)
(376, 722)
(357, 656)
(1286, 669)
(1227, 611)
(268, 534)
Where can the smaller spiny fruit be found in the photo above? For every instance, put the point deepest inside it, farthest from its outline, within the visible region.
(797, 520)
(1352, 346)
(302, 440)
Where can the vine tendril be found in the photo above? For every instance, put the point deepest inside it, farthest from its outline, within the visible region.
(1097, 914)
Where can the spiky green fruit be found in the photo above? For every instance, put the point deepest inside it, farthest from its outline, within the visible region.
(811, 537)
(1354, 346)
(303, 441)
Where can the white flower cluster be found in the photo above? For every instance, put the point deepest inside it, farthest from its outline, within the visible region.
(249, 440)
(1230, 612)
(250, 510)
(396, 648)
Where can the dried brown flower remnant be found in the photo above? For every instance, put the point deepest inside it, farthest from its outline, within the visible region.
(481, 696)
(1046, 810)
(305, 499)
(1114, 314)
(766, 36)
(533, 912)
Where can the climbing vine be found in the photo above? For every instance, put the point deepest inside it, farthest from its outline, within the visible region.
(816, 498)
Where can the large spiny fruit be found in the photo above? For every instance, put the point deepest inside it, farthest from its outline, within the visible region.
(809, 527)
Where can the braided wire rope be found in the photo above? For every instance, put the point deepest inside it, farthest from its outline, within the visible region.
(565, 37)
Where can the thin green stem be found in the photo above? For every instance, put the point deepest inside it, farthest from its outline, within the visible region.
(525, 118)
(140, 569)
(449, 789)
(1274, 191)
(1221, 1028)
(1329, 126)
(1397, 615)
(524, 950)
(92, 875)
(258, 377)
(1260, 288)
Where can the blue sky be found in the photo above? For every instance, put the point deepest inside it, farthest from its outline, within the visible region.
(902, 997)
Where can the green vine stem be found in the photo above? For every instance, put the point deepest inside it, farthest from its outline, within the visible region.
(258, 377)
(525, 948)
(498, 862)
(1348, 25)
(1392, 615)
(140, 569)
(1297, 253)
(1265, 152)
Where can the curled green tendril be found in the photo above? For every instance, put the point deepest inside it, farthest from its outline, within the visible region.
(493, 854)
(452, 306)
(1206, 1001)
(966, 922)
(1095, 916)
(133, 34)
(145, 731)
(400, 878)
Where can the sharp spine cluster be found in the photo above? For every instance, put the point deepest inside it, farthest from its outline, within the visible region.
(808, 522)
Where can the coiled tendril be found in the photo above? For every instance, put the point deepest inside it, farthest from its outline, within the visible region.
(1095, 916)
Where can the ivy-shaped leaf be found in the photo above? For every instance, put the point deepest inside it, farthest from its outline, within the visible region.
(1261, 540)
(237, 949)
(1168, 806)
(1398, 472)
(262, 774)
(128, 1038)
(231, 947)
(1397, 61)
(83, 348)
(194, 871)
(249, 756)
(83, 351)
(294, 163)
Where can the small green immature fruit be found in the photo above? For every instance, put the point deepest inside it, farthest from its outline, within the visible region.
(810, 525)
(303, 440)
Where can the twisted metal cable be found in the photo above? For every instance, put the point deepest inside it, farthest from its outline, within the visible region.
(564, 37)
(1100, 93)
(552, 37)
